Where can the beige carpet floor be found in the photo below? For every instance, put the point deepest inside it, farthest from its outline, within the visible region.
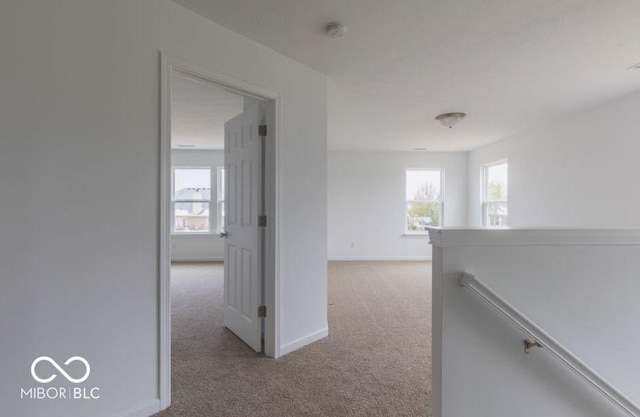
(375, 362)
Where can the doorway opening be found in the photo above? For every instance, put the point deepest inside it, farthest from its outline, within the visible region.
(217, 232)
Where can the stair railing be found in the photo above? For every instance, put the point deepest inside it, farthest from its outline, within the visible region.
(540, 338)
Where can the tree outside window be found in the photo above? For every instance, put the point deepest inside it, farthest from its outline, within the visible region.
(496, 194)
(424, 192)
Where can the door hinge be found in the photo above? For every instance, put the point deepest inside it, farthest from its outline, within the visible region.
(262, 221)
(262, 311)
(262, 130)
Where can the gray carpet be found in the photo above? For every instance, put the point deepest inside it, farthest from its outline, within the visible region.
(375, 362)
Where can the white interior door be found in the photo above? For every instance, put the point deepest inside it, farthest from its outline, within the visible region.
(243, 201)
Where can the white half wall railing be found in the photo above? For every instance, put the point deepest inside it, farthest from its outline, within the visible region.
(541, 339)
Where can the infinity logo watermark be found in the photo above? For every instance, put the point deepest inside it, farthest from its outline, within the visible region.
(66, 375)
(60, 393)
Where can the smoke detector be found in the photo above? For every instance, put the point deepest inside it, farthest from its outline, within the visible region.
(336, 30)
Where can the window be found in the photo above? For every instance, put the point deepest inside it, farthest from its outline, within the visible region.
(424, 194)
(221, 186)
(495, 205)
(191, 200)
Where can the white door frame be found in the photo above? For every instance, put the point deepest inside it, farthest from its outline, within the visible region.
(272, 204)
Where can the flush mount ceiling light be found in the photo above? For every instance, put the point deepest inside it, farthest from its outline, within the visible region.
(634, 67)
(336, 30)
(450, 119)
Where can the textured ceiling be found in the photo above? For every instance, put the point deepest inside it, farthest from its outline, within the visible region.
(508, 64)
(198, 113)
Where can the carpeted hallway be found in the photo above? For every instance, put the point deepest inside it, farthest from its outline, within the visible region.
(375, 362)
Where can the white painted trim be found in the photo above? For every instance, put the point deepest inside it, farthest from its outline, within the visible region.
(414, 235)
(273, 205)
(451, 237)
(144, 410)
(164, 333)
(495, 163)
(303, 341)
(179, 235)
(379, 258)
(196, 259)
(235, 85)
(272, 243)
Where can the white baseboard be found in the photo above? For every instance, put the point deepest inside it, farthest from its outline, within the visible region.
(145, 410)
(379, 258)
(196, 259)
(303, 341)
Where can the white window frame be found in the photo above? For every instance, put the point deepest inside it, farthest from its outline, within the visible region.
(440, 201)
(484, 193)
(174, 201)
(219, 198)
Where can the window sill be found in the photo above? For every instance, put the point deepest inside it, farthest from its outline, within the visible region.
(202, 234)
(415, 235)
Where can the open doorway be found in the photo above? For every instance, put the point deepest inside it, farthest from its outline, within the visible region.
(217, 234)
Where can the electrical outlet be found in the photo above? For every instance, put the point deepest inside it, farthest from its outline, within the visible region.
(353, 245)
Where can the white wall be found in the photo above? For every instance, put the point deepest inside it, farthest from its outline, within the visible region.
(367, 202)
(79, 179)
(247, 102)
(579, 286)
(199, 247)
(576, 171)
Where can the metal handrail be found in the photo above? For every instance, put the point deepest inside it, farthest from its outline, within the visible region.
(544, 340)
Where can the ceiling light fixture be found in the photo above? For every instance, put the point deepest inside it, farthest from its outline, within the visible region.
(336, 30)
(450, 119)
(635, 67)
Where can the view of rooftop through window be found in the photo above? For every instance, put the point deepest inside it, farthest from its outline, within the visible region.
(191, 200)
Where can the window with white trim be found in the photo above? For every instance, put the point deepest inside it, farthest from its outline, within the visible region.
(220, 199)
(424, 196)
(495, 191)
(191, 200)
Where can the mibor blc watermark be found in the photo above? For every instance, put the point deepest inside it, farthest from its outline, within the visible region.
(59, 392)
